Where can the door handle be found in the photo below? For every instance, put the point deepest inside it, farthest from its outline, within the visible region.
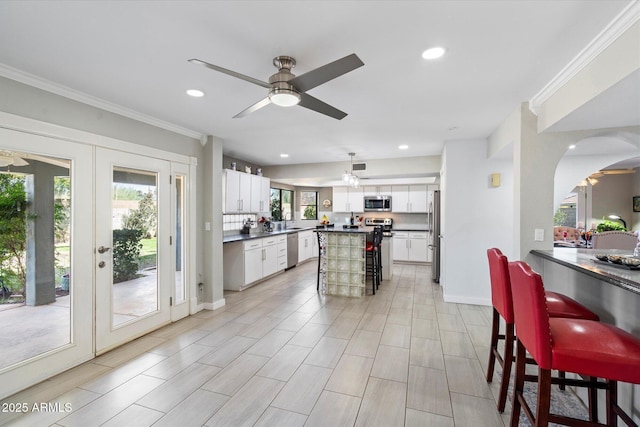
(102, 249)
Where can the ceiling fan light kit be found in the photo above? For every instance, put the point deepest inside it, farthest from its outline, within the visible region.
(286, 89)
(284, 97)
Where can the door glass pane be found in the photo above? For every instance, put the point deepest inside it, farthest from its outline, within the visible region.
(135, 228)
(35, 262)
(180, 294)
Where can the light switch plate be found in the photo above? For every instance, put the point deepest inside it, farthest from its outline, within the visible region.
(538, 235)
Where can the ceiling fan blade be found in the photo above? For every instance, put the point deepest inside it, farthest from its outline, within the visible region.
(327, 72)
(231, 73)
(258, 105)
(308, 101)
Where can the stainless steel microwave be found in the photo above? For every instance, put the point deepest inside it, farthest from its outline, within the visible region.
(377, 203)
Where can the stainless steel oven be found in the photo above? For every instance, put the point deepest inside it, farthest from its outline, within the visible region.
(377, 203)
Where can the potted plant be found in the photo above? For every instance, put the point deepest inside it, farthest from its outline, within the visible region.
(607, 225)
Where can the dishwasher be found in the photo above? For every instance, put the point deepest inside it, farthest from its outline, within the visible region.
(292, 250)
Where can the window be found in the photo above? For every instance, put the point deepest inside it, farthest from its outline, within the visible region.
(281, 204)
(309, 204)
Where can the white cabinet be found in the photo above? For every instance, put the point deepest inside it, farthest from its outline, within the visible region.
(260, 193)
(306, 245)
(409, 198)
(245, 263)
(281, 245)
(237, 192)
(269, 256)
(252, 261)
(346, 199)
(377, 190)
(410, 246)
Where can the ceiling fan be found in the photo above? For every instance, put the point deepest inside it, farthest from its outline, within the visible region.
(286, 89)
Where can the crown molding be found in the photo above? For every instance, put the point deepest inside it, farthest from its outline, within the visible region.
(49, 86)
(621, 23)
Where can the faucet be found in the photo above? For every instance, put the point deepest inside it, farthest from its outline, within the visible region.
(285, 220)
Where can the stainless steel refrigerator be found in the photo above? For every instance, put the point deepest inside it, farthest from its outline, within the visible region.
(434, 229)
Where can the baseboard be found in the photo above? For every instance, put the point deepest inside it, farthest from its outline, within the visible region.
(215, 305)
(466, 300)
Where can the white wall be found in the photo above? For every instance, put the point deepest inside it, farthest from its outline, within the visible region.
(476, 217)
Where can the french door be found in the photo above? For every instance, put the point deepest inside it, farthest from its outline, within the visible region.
(46, 269)
(133, 249)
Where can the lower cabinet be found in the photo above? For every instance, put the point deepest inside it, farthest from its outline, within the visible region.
(307, 245)
(250, 261)
(282, 252)
(410, 246)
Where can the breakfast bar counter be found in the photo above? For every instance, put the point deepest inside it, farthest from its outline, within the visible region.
(611, 291)
(584, 261)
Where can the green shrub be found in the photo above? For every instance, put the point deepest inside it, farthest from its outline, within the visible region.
(609, 226)
(126, 251)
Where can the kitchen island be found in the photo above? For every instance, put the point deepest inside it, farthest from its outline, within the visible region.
(343, 260)
(611, 291)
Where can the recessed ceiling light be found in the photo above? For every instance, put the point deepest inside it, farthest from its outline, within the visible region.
(572, 146)
(433, 53)
(403, 147)
(195, 93)
(284, 155)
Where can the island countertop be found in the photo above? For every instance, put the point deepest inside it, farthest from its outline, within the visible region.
(584, 261)
(365, 229)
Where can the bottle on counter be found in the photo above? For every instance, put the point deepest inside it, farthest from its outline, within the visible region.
(351, 220)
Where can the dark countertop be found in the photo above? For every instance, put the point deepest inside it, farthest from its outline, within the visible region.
(583, 260)
(339, 229)
(242, 237)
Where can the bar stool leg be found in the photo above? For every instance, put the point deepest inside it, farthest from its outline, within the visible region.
(612, 402)
(495, 330)
(544, 397)
(518, 388)
(593, 401)
(506, 366)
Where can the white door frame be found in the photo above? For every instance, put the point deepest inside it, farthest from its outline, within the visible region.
(80, 348)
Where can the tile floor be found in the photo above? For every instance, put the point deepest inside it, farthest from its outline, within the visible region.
(279, 354)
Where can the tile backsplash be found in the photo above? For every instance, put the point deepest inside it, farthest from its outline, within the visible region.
(233, 222)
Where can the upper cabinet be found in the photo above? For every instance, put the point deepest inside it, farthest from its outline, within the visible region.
(409, 198)
(347, 199)
(244, 193)
(377, 190)
(260, 193)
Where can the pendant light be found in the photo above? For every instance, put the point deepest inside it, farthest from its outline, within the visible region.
(348, 177)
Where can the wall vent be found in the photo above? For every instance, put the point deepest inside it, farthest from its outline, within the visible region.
(359, 167)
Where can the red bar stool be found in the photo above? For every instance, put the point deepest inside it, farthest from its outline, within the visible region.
(588, 348)
(373, 258)
(559, 306)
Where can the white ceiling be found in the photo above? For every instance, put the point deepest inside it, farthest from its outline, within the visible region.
(134, 55)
